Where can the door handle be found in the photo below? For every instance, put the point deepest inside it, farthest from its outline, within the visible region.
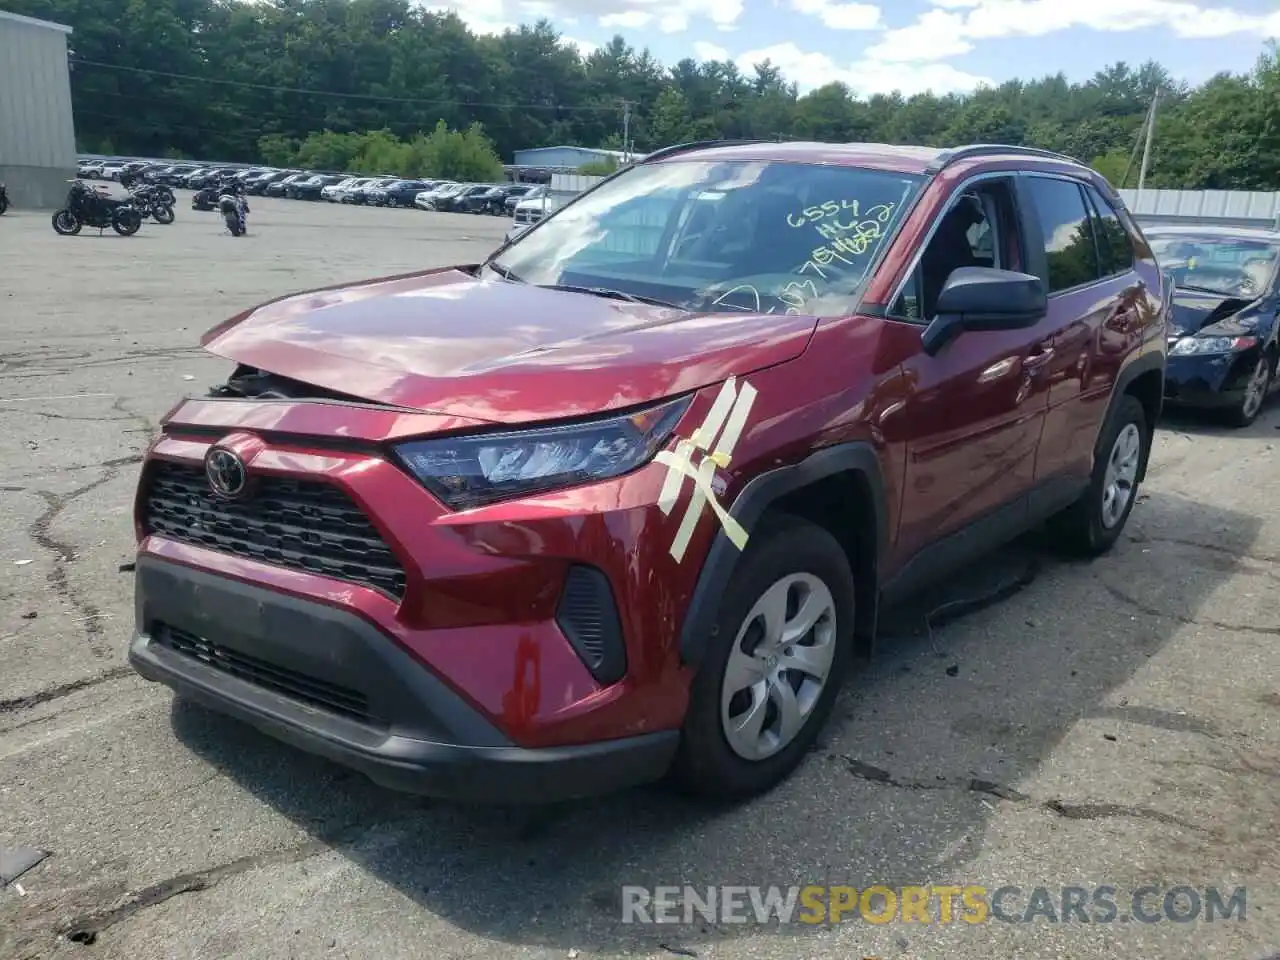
(1039, 356)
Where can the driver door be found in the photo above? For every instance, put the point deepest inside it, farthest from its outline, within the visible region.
(974, 413)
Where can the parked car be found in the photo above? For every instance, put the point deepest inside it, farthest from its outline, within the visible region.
(174, 175)
(276, 188)
(625, 498)
(258, 186)
(428, 198)
(345, 194)
(363, 193)
(90, 169)
(481, 200)
(459, 200)
(332, 192)
(1223, 345)
(310, 188)
(534, 209)
(540, 190)
(110, 170)
(397, 193)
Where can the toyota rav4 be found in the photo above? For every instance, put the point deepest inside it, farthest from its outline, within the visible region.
(624, 500)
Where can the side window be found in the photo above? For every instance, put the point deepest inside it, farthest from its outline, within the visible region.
(1068, 232)
(976, 231)
(1115, 249)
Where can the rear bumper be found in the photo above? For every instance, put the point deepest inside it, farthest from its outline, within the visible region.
(327, 681)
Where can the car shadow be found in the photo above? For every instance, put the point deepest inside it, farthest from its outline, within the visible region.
(1210, 423)
(975, 683)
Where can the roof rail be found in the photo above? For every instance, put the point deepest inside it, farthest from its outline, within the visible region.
(948, 157)
(696, 145)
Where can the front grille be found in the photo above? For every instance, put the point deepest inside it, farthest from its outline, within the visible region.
(298, 686)
(301, 524)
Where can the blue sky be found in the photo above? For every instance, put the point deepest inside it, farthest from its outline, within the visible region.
(912, 45)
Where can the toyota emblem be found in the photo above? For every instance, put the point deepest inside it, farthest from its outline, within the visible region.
(226, 473)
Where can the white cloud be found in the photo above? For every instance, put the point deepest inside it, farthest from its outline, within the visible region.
(841, 16)
(671, 16)
(704, 51)
(628, 19)
(865, 76)
(952, 29)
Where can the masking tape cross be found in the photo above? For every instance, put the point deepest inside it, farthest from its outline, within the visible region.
(722, 427)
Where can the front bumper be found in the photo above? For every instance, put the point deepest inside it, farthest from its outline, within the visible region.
(326, 681)
(1209, 380)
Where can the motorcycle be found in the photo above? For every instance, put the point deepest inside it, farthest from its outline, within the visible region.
(206, 198)
(151, 203)
(234, 209)
(4, 199)
(86, 206)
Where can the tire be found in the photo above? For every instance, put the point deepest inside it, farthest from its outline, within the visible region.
(1255, 394)
(1092, 525)
(233, 223)
(787, 559)
(162, 213)
(4, 206)
(66, 224)
(126, 221)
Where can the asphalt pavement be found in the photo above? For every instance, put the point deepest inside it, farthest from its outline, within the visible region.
(1036, 723)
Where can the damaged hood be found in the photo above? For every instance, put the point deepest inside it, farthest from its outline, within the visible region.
(1194, 311)
(445, 342)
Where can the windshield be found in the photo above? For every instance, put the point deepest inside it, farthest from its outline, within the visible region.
(753, 236)
(1231, 266)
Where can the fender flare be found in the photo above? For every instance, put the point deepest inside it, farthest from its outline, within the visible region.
(1146, 363)
(858, 457)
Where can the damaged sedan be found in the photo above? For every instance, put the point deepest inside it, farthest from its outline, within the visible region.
(1222, 335)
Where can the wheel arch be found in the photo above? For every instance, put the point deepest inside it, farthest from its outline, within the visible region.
(1142, 379)
(842, 489)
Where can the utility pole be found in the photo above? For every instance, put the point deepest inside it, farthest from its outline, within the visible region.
(626, 131)
(1146, 150)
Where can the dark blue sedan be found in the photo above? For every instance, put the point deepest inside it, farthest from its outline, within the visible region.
(1222, 338)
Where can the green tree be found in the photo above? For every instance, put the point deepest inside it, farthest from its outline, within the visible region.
(366, 84)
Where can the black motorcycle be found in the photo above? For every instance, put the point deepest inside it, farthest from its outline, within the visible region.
(150, 202)
(206, 198)
(234, 208)
(4, 199)
(87, 207)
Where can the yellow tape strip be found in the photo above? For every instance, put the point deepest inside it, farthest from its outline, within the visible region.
(701, 477)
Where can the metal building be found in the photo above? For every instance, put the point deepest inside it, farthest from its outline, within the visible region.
(37, 132)
(567, 158)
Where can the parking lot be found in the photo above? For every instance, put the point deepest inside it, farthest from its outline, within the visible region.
(1037, 723)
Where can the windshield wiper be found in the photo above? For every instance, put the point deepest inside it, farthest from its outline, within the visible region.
(504, 272)
(611, 294)
(1195, 289)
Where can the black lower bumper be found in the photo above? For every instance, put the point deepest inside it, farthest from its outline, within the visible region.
(327, 681)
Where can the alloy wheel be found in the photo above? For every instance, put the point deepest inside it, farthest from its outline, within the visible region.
(1122, 474)
(1256, 391)
(778, 666)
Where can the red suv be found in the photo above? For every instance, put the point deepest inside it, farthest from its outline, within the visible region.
(626, 498)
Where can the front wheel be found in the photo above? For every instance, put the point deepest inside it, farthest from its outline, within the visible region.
(163, 213)
(774, 662)
(4, 205)
(1092, 525)
(126, 221)
(66, 224)
(1255, 394)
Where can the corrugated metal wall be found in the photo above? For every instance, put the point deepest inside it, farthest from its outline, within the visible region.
(1238, 208)
(36, 129)
(37, 132)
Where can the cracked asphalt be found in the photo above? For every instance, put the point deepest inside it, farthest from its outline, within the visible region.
(1037, 723)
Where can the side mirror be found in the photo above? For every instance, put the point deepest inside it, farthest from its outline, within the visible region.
(983, 298)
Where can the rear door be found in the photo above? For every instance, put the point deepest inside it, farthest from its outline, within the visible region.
(1082, 253)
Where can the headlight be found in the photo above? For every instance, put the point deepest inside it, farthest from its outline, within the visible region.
(470, 471)
(1189, 346)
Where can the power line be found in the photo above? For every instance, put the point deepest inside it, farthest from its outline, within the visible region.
(369, 97)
